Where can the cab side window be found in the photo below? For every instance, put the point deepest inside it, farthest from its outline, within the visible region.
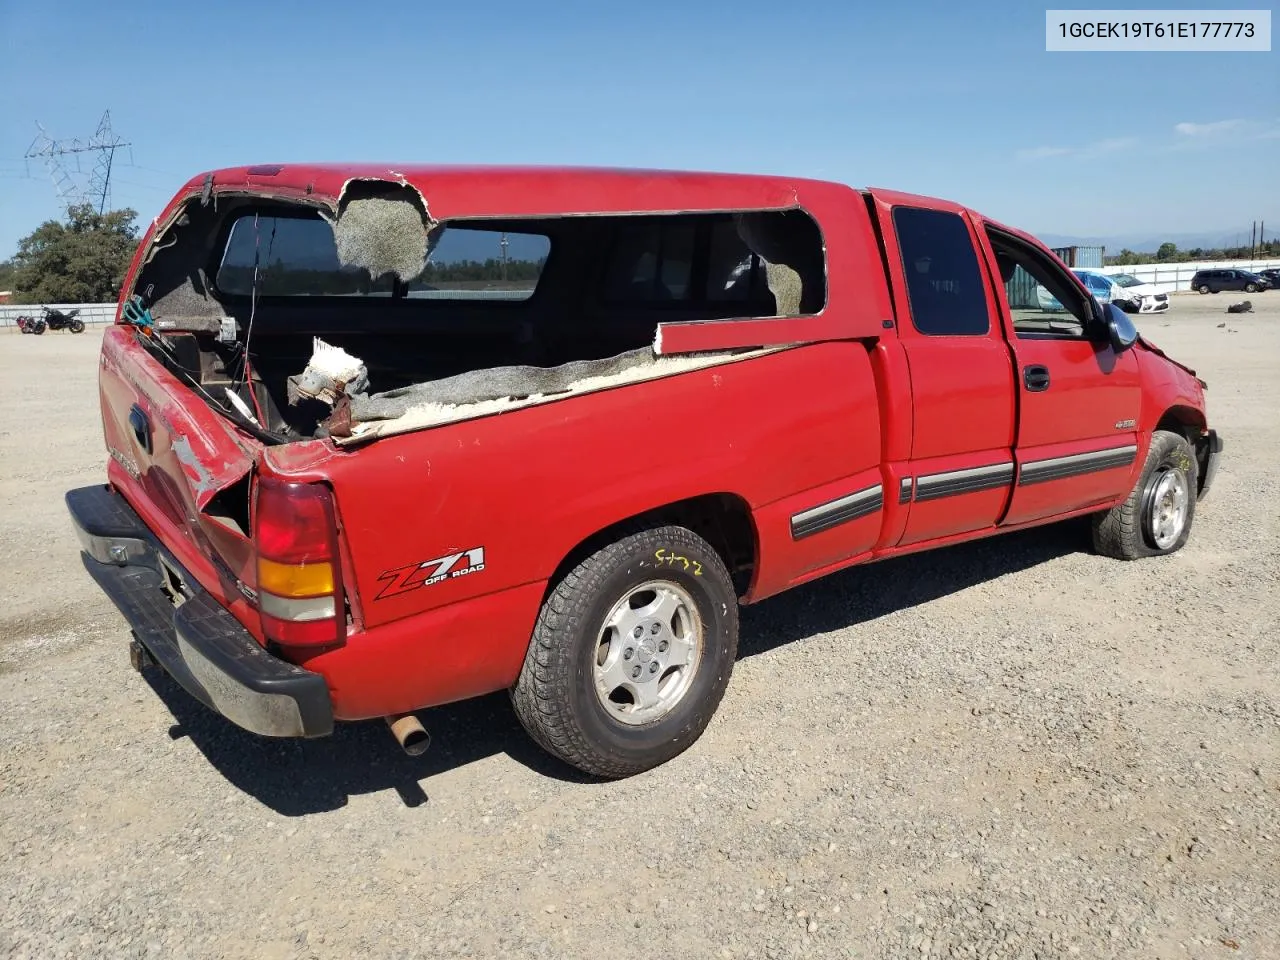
(1043, 301)
(944, 282)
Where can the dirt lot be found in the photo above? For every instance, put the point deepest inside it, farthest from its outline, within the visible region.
(1008, 749)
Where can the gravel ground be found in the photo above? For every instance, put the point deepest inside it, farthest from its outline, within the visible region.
(1009, 749)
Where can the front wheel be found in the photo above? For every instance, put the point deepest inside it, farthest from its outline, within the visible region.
(1203, 288)
(1156, 517)
(631, 653)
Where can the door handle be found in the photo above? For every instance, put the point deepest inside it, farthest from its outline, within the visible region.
(140, 424)
(1036, 377)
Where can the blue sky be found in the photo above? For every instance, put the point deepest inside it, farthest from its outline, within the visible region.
(957, 100)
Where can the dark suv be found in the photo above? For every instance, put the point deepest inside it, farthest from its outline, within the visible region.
(1272, 276)
(1215, 281)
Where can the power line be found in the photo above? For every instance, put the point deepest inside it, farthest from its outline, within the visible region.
(104, 143)
(142, 186)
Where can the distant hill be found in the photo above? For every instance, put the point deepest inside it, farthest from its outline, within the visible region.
(1147, 243)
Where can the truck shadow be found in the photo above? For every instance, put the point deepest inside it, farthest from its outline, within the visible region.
(297, 778)
(864, 593)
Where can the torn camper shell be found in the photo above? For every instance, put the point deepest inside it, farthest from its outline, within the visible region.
(480, 192)
(383, 223)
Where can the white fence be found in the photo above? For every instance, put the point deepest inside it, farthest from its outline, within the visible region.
(89, 312)
(1176, 277)
(1168, 278)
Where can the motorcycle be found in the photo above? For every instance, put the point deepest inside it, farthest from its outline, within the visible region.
(57, 320)
(33, 325)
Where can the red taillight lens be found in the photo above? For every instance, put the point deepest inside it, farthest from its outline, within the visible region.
(294, 522)
(299, 572)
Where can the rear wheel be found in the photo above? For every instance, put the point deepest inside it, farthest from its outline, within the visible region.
(1156, 517)
(77, 325)
(631, 653)
(1250, 288)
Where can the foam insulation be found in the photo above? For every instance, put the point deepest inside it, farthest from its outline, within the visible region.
(493, 383)
(383, 235)
(593, 375)
(781, 247)
(330, 372)
(786, 287)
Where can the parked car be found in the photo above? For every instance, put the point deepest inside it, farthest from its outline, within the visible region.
(1219, 279)
(1271, 275)
(1128, 293)
(1137, 296)
(428, 479)
(1132, 295)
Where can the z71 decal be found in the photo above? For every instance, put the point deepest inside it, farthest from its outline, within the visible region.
(416, 575)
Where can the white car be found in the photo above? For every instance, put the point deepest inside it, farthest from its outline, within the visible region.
(1127, 292)
(1145, 297)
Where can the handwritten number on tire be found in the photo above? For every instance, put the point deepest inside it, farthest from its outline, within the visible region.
(666, 556)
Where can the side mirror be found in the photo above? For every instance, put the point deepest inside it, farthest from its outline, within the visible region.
(1120, 328)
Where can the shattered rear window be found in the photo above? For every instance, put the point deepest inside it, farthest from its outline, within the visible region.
(297, 256)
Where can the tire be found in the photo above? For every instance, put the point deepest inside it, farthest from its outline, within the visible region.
(77, 325)
(1155, 519)
(1250, 288)
(1203, 288)
(562, 696)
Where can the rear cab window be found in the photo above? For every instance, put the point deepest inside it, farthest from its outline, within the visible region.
(297, 256)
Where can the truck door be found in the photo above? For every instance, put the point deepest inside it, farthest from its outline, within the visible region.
(961, 463)
(1078, 401)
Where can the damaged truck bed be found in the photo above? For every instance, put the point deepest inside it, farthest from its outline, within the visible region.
(382, 439)
(359, 415)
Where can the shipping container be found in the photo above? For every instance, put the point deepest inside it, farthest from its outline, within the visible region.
(1081, 256)
(1021, 291)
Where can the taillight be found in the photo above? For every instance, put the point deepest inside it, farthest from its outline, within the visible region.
(300, 595)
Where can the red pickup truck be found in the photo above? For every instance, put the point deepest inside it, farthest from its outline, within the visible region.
(382, 439)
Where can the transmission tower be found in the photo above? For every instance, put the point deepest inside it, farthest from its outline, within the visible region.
(104, 143)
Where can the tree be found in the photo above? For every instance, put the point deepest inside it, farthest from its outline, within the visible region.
(82, 260)
(7, 272)
(1167, 251)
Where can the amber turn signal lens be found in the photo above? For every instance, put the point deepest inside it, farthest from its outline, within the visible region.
(295, 579)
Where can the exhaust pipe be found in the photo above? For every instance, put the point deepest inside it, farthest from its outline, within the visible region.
(409, 733)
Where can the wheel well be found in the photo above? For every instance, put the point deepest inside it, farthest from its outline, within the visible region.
(722, 519)
(1186, 421)
(1189, 422)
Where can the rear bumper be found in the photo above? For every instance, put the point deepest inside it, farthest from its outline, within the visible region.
(1211, 445)
(196, 640)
